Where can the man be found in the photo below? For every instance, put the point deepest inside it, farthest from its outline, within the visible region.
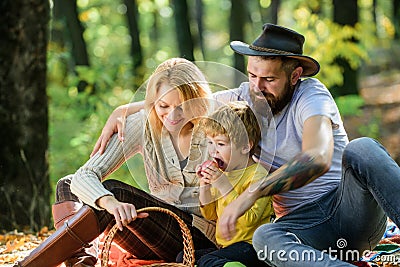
(331, 197)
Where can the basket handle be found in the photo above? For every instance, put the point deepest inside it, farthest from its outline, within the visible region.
(188, 246)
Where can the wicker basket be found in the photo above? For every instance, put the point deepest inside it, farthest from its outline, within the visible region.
(188, 247)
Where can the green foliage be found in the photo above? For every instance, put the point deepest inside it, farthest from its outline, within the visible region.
(326, 41)
(350, 105)
(371, 129)
(77, 118)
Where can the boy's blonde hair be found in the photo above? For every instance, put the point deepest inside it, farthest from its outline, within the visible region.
(235, 120)
(187, 78)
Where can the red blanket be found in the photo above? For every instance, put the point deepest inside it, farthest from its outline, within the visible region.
(118, 257)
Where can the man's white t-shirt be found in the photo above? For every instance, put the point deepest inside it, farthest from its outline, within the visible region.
(282, 137)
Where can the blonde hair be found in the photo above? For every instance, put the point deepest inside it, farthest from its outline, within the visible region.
(186, 77)
(235, 120)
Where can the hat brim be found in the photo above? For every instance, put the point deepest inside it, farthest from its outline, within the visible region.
(310, 66)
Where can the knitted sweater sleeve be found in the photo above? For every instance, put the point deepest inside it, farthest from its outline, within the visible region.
(86, 182)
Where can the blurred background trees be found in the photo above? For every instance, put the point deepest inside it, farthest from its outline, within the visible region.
(100, 51)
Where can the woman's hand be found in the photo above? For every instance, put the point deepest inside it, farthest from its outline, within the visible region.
(115, 124)
(124, 213)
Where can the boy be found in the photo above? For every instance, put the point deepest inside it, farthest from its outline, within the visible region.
(233, 133)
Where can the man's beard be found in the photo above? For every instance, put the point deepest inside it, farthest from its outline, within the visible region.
(276, 104)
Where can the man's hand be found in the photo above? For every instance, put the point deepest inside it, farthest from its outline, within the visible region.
(115, 124)
(124, 213)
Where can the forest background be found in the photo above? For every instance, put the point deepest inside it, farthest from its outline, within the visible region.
(65, 65)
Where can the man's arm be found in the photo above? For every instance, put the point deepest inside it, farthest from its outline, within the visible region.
(116, 124)
(314, 160)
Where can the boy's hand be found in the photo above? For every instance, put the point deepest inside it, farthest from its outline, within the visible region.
(203, 167)
(211, 174)
(208, 172)
(203, 170)
(204, 182)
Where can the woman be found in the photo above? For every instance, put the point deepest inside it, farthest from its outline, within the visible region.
(165, 134)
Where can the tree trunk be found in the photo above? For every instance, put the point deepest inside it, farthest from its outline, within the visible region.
(270, 14)
(59, 39)
(374, 10)
(236, 26)
(58, 24)
(182, 26)
(200, 25)
(24, 186)
(155, 31)
(345, 12)
(136, 48)
(76, 29)
(396, 18)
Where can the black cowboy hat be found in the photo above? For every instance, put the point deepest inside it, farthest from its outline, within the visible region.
(279, 41)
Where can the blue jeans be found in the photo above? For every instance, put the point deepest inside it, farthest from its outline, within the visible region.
(241, 251)
(344, 223)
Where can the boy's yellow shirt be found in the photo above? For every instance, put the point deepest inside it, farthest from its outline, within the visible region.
(260, 213)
